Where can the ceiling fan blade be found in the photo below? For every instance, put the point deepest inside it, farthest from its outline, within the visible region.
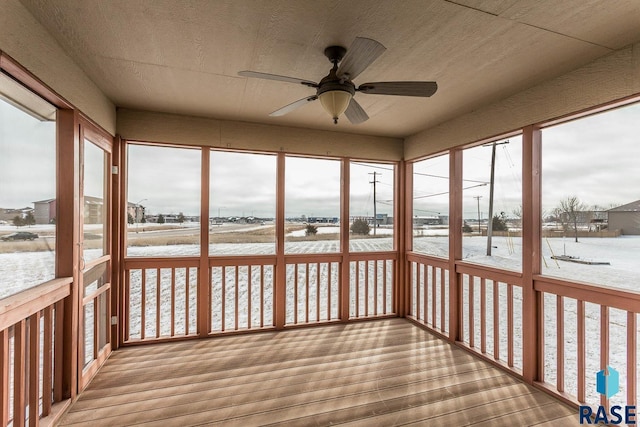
(360, 55)
(277, 77)
(293, 106)
(424, 89)
(355, 113)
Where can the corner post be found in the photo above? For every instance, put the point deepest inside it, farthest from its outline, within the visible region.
(204, 280)
(68, 241)
(280, 285)
(404, 206)
(455, 241)
(531, 251)
(345, 275)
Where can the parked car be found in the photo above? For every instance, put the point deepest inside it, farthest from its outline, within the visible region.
(21, 235)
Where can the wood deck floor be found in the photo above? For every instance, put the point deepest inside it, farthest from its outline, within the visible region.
(378, 373)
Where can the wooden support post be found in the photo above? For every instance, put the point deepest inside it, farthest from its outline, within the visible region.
(67, 248)
(403, 234)
(455, 242)
(531, 250)
(123, 301)
(280, 285)
(204, 275)
(345, 275)
(118, 223)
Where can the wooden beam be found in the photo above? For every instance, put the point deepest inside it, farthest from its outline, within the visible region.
(204, 276)
(531, 249)
(345, 276)
(118, 224)
(404, 231)
(123, 273)
(280, 285)
(68, 206)
(455, 241)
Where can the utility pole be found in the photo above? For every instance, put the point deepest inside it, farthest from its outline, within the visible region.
(375, 216)
(478, 199)
(493, 172)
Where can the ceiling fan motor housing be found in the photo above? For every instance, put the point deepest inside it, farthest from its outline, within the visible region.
(335, 53)
(335, 93)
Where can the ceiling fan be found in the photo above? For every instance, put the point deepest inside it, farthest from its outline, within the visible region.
(336, 89)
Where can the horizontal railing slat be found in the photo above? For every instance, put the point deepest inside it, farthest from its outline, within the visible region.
(143, 263)
(490, 273)
(230, 261)
(373, 256)
(611, 297)
(95, 294)
(312, 258)
(22, 305)
(430, 260)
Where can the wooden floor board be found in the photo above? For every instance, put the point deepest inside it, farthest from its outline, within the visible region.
(386, 372)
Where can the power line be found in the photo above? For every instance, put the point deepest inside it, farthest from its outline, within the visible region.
(446, 177)
(446, 192)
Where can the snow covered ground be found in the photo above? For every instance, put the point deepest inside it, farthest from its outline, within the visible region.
(22, 270)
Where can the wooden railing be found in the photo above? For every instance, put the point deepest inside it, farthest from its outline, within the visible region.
(160, 298)
(31, 341)
(372, 284)
(592, 327)
(162, 295)
(580, 327)
(95, 328)
(242, 293)
(429, 292)
(312, 288)
(491, 313)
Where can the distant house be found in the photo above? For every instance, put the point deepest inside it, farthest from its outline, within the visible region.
(626, 218)
(45, 211)
(428, 220)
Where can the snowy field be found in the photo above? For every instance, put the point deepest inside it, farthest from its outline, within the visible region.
(19, 271)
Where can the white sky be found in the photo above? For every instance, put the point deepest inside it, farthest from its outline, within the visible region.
(595, 158)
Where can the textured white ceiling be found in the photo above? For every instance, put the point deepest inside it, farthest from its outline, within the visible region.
(183, 56)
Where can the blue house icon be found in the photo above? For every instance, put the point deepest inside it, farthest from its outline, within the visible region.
(608, 382)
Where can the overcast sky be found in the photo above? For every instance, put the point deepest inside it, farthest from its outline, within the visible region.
(595, 158)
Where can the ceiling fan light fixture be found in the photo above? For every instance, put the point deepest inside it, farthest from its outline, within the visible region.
(335, 102)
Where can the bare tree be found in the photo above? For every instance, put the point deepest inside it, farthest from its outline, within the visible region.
(571, 208)
(517, 212)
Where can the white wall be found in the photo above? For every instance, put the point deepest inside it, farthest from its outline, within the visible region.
(609, 78)
(176, 129)
(26, 41)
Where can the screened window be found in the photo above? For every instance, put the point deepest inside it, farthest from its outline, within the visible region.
(431, 206)
(590, 199)
(95, 202)
(312, 205)
(371, 214)
(492, 204)
(242, 206)
(27, 189)
(163, 201)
